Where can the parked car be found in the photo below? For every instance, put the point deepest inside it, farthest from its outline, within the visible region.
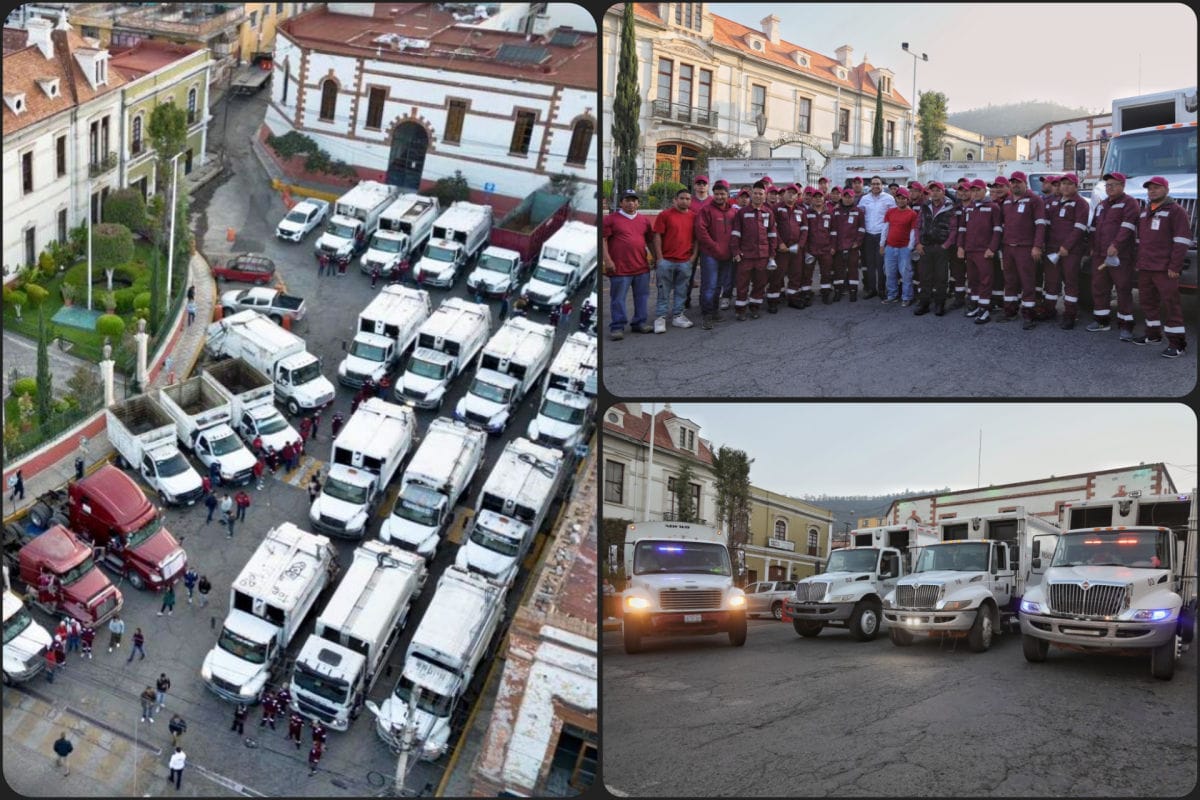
(766, 597)
(304, 217)
(247, 268)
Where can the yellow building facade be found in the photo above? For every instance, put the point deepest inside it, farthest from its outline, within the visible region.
(789, 538)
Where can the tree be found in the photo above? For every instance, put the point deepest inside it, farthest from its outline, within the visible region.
(85, 385)
(627, 104)
(451, 189)
(684, 510)
(732, 470)
(45, 390)
(931, 121)
(877, 132)
(719, 150)
(167, 131)
(112, 247)
(126, 207)
(612, 532)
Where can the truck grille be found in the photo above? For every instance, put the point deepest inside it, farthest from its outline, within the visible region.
(1098, 600)
(549, 441)
(478, 419)
(689, 599)
(917, 596)
(226, 686)
(192, 496)
(328, 250)
(313, 709)
(330, 522)
(107, 608)
(811, 592)
(413, 394)
(243, 477)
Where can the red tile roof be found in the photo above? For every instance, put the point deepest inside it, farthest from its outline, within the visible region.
(14, 39)
(638, 429)
(23, 68)
(148, 56)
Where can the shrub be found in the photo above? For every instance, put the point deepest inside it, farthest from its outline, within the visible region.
(126, 207)
(112, 245)
(46, 264)
(61, 406)
(141, 300)
(26, 387)
(662, 191)
(15, 297)
(125, 299)
(37, 294)
(452, 189)
(110, 325)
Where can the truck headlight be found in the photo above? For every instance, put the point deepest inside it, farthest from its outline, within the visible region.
(737, 601)
(636, 603)
(888, 602)
(956, 605)
(1030, 607)
(841, 598)
(1152, 614)
(206, 671)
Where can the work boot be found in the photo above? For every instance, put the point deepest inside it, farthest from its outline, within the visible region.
(772, 306)
(1006, 317)
(754, 310)
(741, 314)
(922, 309)
(837, 294)
(939, 309)
(973, 308)
(825, 297)
(1029, 324)
(853, 294)
(795, 300)
(806, 297)
(707, 322)
(957, 302)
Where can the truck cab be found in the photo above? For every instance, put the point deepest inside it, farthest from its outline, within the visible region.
(446, 343)
(298, 381)
(490, 400)
(347, 499)
(512, 363)
(403, 229)
(567, 260)
(496, 273)
(264, 421)
(370, 356)
(220, 444)
(25, 641)
(84, 592)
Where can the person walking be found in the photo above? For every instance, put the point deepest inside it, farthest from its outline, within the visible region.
(210, 502)
(51, 665)
(239, 719)
(1163, 239)
(314, 758)
(269, 708)
(177, 726)
(189, 582)
(161, 687)
(503, 311)
(16, 482)
(316, 424)
(875, 204)
(314, 488)
(177, 763)
(191, 312)
(87, 638)
(74, 629)
(627, 238)
(242, 501)
(214, 473)
(374, 275)
(935, 221)
(897, 241)
(191, 292)
(753, 250)
(260, 467)
(204, 587)
(305, 428)
(206, 485)
(168, 600)
(295, 728)
(319, 733)
(116, 629)
(147, 698)
(62, 749)
(674, 247)
(139, 645)
(1114, 231)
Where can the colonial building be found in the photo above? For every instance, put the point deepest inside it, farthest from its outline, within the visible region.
(789, 538)
(257, 31)
(410, 93)
(1006, 148)
(960, 144)
(1073, 145)
(704, 78)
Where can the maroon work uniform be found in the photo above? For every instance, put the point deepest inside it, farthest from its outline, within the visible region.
(791, 227)
(958, 266)
(754, 240)
(1068, 225)
(848, 223)
(1024, 223)
(1164, 236)
(822, 244)
(980, 233)
(1115, 223)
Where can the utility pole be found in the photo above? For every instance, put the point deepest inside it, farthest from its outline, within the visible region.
(174, 202)
(406, 735)
(649, 467)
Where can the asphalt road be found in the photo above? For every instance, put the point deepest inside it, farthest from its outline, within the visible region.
(869, 350)
(787, 716)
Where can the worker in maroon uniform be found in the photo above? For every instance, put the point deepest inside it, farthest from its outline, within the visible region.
(295, 728)
(1024, 222)
(849, 226)
(822, 244)
(998, 192)
(700, 198)
(791, 230)
(977, 243)
(714, 230)
(1164, 236)
(958, 266)
(806, 196)
(1065, 238)
(269, 709)
(917, 197)
(753, 251)
(935, 222)
(1114, 231)
(1049, 193)
(774, 196)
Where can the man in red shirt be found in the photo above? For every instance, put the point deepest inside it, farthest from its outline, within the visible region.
(674, 251)
(896, 243)
(625, 245)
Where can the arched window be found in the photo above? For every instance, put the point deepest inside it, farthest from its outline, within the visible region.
(780, 529)
(970, 156)
(329, 92)
(581, 141)
(1068, 152)
(812, 541)
(135, 146)
(946, 153)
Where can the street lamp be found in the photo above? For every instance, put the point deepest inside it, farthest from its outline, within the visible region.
(912, 128)
(174, 200)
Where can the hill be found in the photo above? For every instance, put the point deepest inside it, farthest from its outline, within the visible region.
(1014, 118)
(849, 508)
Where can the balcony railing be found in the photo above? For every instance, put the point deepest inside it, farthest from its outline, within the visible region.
(677, 112)
(103, 165)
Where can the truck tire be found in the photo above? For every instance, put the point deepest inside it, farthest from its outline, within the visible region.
(777, 609)
(633, 636)
(900, 637)
(979, 638)
(737, 632)
(1163, 657)
(40, 515)
(807, 628)
(162, 497)
(135, 581)
(1035, 649)
(293, 407)
(864, 622)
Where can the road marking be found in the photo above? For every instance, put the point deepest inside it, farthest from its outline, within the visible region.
(300, 476)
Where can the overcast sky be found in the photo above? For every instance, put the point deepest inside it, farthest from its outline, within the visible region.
(810, 448)
(1091, 58)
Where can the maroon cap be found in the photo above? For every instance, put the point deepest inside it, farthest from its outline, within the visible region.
(1070, 176)
(837, 189)
(1051, 179)
(978, 184)
(817, 193)
(822, 179)
(857, 179)
(791, 187)
(809, 190)
(773, 188)
(766, 179)
(700, 179)
(938, 184)
(902, 192)
(1116, 176)
(847, 193)
(744, 192)
(963, 180)
(915, 186)
(1157, 179)
(1018, 176)
(721, 184)
(1000, 180)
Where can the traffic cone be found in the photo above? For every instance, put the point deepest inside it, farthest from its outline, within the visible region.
(286, 321)
(230, 234)
(218, 312)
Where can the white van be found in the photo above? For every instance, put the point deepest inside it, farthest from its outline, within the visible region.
(446, 342)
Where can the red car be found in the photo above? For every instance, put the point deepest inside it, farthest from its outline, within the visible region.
(246, 268)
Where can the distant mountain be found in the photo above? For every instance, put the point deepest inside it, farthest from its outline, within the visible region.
(849, 508)
(1020, 119)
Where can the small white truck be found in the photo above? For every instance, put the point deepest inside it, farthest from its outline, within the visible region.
(567, 261)
(513, 504)
(453, 640)
(1124, 584)
(251, 397)
(143, 434)
(25, 641)
(201, 413)
(341, 659)
(365, 457)
(511, 364)
(446, 343)
(404, 228)
(436, 479)
(355, 217)
(271, 303)
(568, 396)
(459, 235)
(387, 328)
(849, 593)
(679, 582)
(268, 602)
(281, 354)
(497, 271)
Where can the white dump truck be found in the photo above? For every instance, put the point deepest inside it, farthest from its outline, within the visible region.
(459, 234)
(201, 413)
(849, 593)
(446, 343)
(568, 395)
(251, 398)
(355, 217)
(437, 477)
(511, 364)
(268, 603)
(447, 649)
(387, 328)
(343, 656)
(1125, 584)
(143, 435)
(404, 228)
(25, 641)
(567, 261)
(679, 583)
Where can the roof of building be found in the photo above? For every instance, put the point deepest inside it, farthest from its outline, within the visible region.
(424, 34)
(148, 56)
(14, 39)
(638, 428)
(1158, 466)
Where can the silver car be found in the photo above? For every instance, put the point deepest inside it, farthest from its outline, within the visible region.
(766, 597)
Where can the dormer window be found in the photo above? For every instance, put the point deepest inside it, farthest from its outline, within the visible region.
(841, 73)
(94, 63)
(800, 58)
(885, 84)
(687, 440)
(15, 101)
(101, 70)
(756, 44)
(49, 86)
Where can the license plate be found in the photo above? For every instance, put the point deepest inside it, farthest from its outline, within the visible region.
(191, 502)
(693, 617)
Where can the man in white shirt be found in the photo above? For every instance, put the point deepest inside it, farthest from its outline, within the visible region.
(874, 204)
(177, 762)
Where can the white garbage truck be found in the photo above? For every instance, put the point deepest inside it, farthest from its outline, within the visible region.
(446, 343)
(511, 364)
(404, 228)
(386, 330)
(354, 219)
(143, 435)
(459, 235)
(564, 417)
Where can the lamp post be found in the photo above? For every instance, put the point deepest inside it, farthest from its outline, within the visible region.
(89, 244)
(912, 128)
(171, 211)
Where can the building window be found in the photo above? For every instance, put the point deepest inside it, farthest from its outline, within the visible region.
(287, 78)
(329, 91)
(946, 152)
(890, 135)
(253, 19)
(704, 90)
(375, 107)
(278, 9)
(664, 79)
(104, 137)
(1007, 141)
(1068, 150)
(780, 530)
(614, 482)
(30, 246)
(27, 172)
(844, 124)
(812, 541)
(673, 492)
(136, 145)
(581, 142)
(696, 20)
(804, 124)
(758, 101)
(62, 226)
(684, 89)
(679, 13)
(60, 155)
(455, 114)
(522, 133)
(191, 106)
(970, 156)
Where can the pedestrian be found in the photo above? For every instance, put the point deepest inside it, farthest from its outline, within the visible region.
(61, 631)
(374, 275)
(314, 488)
(674, 247)
(316, 423)
(139, 645)
(147, 698)
(229, 521)
(935, 222)
(319, 733)
(288, 455)
(191, 292)
(385, 385)
(177, 763)
(520, 306)
(897, 240)
(1068, 215)
(875, 203)
(87, 638)
(260, 467)
(821, 246)
(204, 587)
(1163, 240)
(191, 312)
(556, 314)
(210, 502)
(714, 226)
(585, 315)
(753, 249)
(51, 664)
(189, 582)
(848, 224)
(269, 708)
(314, 758)
(177, 726)
(226, 506)
(322, 264)
(283, 700)
(116, 629)
(161, 687)
(79, 465)
(1022, 216)
(214, 473)
(168, 600)
(242, 500)
(336, 424)
(74, 629)
(272, 459)
(305, 428)
(206, 485)
(1114, 225)
(16, 482)
(504, 306)
(62, 749)
(295, 728)
(239, 719)
(627, 238)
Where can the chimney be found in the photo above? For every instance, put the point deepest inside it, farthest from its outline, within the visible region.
(844, 54)
(770, 26)
(39, 34)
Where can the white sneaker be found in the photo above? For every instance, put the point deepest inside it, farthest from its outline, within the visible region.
(681, 321)
(724, 303)
(660, 325)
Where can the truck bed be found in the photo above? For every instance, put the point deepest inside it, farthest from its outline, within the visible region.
(141, 414)
(526, 228)
(194, 396)
(237, 376)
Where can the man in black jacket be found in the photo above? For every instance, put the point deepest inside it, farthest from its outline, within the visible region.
(933, 228)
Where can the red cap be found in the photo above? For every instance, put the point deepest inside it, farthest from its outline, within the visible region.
(822, 179)
(773, 188)
(1018, 176)
(721, 184)
(837, 189)
(744, 192)
(902, 192)
(915, 186)
(938, 184)
(1000, 180)
(847, 193)
(809, 190)
(963, 180)
(817, 193)
(1051, 179)
(1157, 179)
(766, 179)
(857, 179)
(791, 187)
(1116, 176)
(978, 184)
(700, 179)
(1070, 176)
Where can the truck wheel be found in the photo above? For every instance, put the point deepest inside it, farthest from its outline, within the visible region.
(1162, 658)
(807, 628)
(1035, 649)
(226, 311)
(40, 515)
(633, 636)
(737, 633)
(293, 407)
(777, 610)
(900, 637)
(162, 497)
(136, 581)
(864, 622)
(979, 638)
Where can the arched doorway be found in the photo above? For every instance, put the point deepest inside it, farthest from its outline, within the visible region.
(407, 159)
(676, 161)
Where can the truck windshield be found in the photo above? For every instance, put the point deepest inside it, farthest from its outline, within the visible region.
(76, 572)
(436, 253)
(16, 623)
(272, 424)
(242, 647)
(366, 351)
(488, 391)
(492, 264)
(415, 512)
(495, 542)
(955, 557)
(436, 704)
(175, 465)
(681, 556)
(298, 216)
(226, 445)
(1144, 549)
(857, 560)
(1172, 150)
(322, 686)
(340, 490)
(562, 413)
(153, 526)
(340, 229)
(552, 276)
(385, 244)
(427, 369)
(309, 372)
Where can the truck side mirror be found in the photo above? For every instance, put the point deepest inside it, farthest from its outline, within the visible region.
(1036, 565)
(1037, 548)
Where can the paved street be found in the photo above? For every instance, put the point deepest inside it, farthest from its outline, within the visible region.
(787, 716)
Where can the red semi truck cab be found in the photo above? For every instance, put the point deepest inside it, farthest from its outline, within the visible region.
(83, 591)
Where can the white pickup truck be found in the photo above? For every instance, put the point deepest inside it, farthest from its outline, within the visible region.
(143, 435)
